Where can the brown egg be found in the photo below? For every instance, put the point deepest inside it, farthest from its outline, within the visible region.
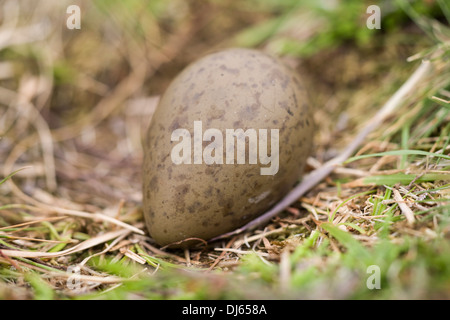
(229, 138)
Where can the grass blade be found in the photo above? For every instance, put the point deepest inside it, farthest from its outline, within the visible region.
(12, 174)
(399, 153)
(405, 179)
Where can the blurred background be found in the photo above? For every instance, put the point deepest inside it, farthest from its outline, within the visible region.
(74, 102)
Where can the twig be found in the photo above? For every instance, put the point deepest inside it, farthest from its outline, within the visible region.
(220, 257)
(404, 207)
(285, 270)
(313, 178)
(79, 247)
(237, 251)
(42, 207)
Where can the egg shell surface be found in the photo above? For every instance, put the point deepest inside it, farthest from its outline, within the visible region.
(231, 89)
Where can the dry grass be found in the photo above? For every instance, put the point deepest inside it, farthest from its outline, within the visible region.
(73, 108)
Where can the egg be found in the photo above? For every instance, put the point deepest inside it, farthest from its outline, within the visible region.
(228, 139)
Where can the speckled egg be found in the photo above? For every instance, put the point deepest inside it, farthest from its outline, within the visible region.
(229, 138)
